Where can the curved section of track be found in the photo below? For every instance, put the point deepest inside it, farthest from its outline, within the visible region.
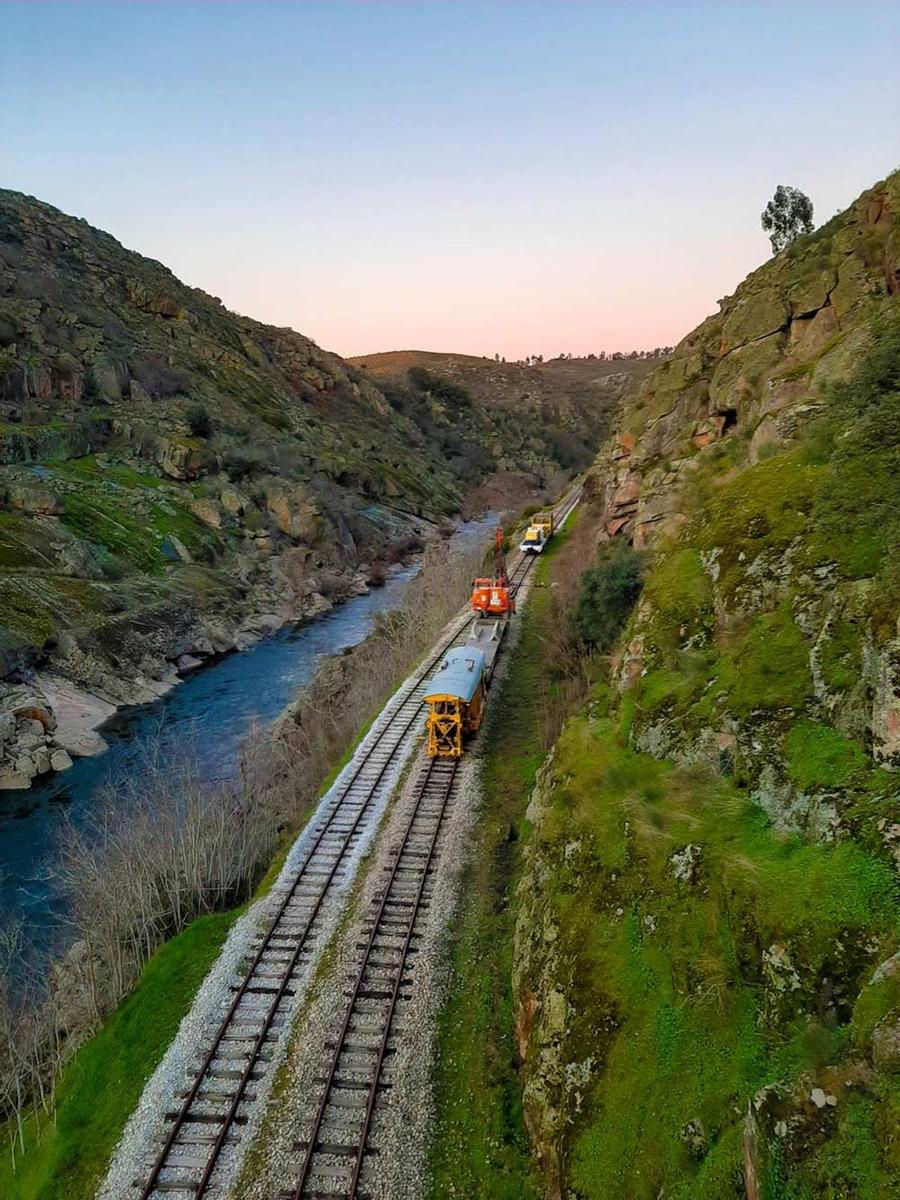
(210, 1115)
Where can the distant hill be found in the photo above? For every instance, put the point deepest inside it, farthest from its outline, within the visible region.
(573, 388)
(550, 412)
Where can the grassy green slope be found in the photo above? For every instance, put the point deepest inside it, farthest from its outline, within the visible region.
(707, 958)
(679, 1007)
(67, 1155)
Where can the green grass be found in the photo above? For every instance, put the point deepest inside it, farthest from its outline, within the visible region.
(763, 508)
(851, 1162)
(23, 544)
(480, 1148)
(98, 518)
(103, 519)
(818, 756)
(99, 1088)
(87, 468)
(767, 667)
(23, 613)
(681, 593)
(694, 1035)
(199, 539)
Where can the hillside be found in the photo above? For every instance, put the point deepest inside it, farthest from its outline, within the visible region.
(562, 385)
(176, 480)
(556, 409)
(707, 972)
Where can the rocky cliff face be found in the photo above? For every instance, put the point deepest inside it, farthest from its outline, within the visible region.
(707, 977)
(176, 480)
(756, 370)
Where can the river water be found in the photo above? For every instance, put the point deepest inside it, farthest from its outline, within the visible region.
(211, 711)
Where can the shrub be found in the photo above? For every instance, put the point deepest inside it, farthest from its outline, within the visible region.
(95, 431)
(241, 461)
(159, 379)
(441, 389)
(199, 421)
(569, 450)
(90, 388)
(289, 457)
(465, 458)
(609, 591)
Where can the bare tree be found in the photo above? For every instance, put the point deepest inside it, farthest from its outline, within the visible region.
(163, 845)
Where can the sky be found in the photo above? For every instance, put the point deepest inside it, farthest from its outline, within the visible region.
(512, 178)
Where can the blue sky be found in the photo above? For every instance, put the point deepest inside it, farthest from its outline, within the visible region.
(512, 177)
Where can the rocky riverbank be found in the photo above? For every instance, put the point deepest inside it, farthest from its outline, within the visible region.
(44, 723)
(47, 719)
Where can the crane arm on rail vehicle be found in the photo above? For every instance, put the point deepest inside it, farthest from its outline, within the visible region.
(492, 595)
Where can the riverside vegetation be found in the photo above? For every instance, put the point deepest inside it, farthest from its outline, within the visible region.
(153, 887)
(177, 480)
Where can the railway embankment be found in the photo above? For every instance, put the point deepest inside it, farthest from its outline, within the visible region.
(354, 1097)
(241, 1017)
(202, 1109)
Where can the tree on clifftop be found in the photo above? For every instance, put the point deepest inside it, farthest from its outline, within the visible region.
(788, 214)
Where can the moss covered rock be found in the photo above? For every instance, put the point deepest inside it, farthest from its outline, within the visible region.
(716, 844)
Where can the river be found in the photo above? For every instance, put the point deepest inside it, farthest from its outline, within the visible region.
(212, 711)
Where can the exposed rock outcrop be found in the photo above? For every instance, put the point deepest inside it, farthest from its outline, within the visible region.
(756, 368)
(707, 915)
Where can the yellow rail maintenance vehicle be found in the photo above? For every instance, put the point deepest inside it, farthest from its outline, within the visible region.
(455, 701)
(538, 533)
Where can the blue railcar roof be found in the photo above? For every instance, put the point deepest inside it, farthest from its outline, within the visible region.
(459, 675)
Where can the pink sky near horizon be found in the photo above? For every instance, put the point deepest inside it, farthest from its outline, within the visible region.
(482, 178)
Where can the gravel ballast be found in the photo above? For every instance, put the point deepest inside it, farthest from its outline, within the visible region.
(403, 1120)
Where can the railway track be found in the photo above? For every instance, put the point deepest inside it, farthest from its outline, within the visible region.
(358, 1069)
(211, 1115)
(357, 1066)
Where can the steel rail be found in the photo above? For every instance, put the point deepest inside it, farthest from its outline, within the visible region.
(180, 1121)
(450, 770)
(382, 1048)
(523, 568)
